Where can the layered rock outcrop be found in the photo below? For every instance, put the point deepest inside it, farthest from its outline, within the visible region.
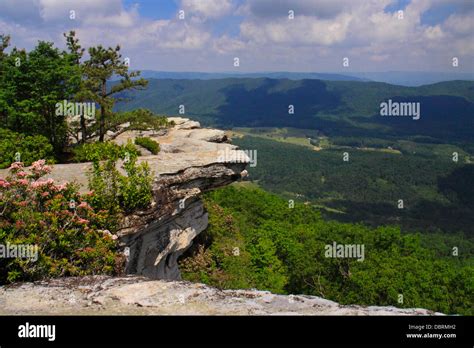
(192, 160)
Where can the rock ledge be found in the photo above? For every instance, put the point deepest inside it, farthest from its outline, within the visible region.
(133, 295)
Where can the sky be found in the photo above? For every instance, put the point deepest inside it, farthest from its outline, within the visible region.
(367, 35)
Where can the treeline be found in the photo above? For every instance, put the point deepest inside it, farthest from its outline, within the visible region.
(363, 142)
(257, 240)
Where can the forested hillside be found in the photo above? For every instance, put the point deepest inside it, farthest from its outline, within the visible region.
(257, 240)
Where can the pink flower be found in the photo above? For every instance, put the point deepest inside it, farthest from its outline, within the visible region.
(23, 182)
(4, 183)
(61, 187)
(22, 174)
(41, 183)
(39, 163)
(84, 205)
(37, 184)
(82, 221)
(23, 203)
(16, 166)
(40, 168)
(44, 194)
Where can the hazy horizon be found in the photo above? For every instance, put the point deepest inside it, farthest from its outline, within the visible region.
(402, 78)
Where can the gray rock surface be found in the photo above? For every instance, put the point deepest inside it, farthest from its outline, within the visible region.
(133, 295)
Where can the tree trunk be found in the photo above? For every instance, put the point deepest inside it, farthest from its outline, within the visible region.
(102, 111)
(83, 129)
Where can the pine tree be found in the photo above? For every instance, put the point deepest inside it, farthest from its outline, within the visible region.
(103, 64)
(84, 94)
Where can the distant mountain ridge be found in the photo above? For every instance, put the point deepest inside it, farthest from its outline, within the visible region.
(402, 78)
(222, 75)
(413, 79)
(341, 108)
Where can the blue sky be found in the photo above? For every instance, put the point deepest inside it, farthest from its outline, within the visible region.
(371, 34)
(155, 9)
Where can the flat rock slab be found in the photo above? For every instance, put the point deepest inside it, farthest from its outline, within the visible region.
(133, 295)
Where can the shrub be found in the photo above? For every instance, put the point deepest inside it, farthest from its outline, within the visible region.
(121, 193)
(141, 119)
(101, 151)
(149, 144)
(73, 238)
(30, 148)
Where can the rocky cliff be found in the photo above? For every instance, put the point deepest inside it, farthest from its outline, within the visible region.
(192, 160)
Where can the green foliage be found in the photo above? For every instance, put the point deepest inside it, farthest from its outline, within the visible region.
(283, 250)
(31, 84)
(101, 151)
(4, 43)
(71, 237)
(140, 119)
(220, 257)
(135, 188)
(149, 144)
(363, 142)
(119, 193)
(102, 65)
(435, 189)
(30, 148)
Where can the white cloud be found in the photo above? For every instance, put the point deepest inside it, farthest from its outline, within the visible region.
(102, 21)
(324, 9)
(299, 31)
(461, 24)
(360, 30)
(207, 8)
(434, 33)
(59, 10)
(226, 44)
(321, 33)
